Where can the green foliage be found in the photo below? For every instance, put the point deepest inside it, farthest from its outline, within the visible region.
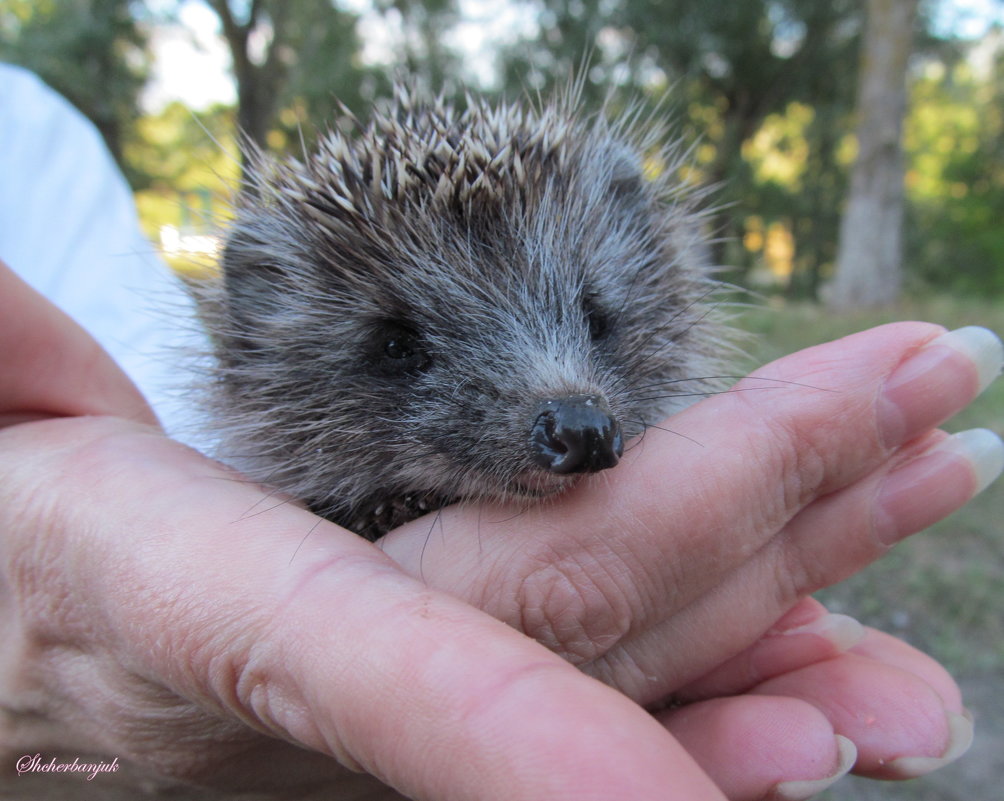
(727, 71)
(91, 51)
(424, 24)
(189, 164)
(762, 90)
(567, 43)
(955, 139)
(327, 65)
(311, 56)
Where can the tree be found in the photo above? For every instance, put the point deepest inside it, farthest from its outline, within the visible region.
(91, 51)
(869, 270)
(188, 164)
(723, 68)
(424, 52)
(955, 190)
(568, 43)
(261, 51)
(289, 56)
(746, 62)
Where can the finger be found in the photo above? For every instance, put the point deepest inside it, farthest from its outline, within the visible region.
(808, 633)
(52, 367)
(860, 684)
(827, 541)
(758, 747)
(885, 648)
(898, 722)
(620, 553)
(308, 633)
(761, 457)
(927, 480)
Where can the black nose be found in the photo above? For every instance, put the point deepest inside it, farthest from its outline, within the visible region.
(577, 434)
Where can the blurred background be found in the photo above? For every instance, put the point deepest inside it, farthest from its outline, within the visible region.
(857, 147)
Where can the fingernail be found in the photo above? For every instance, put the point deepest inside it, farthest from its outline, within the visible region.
(842, 630)
(982, 346)
(934, 383)
(801, 790)
(960, 737)
(936, 483)
(983, 449)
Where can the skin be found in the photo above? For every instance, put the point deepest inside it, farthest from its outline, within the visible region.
(209, 632)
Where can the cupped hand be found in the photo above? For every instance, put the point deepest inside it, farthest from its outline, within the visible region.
(652, 576)
(160, 609)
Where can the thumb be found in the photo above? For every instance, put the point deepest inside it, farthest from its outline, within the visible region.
(51, 367)
(253, 609)
(347, 655)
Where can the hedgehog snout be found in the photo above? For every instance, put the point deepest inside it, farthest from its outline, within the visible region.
(575, 434)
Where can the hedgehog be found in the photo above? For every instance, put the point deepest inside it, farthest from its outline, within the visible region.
(450, 304)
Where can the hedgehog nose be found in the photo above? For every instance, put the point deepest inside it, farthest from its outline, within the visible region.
(577, 434)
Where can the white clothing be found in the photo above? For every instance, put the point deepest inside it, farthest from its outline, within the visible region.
(68, 226)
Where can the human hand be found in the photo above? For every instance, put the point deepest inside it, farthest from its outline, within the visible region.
(201, 619)
(650, 575)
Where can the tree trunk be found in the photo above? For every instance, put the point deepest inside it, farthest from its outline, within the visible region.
(258, 84)
(869, 269)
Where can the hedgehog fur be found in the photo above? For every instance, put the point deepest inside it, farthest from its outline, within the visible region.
(393, 308)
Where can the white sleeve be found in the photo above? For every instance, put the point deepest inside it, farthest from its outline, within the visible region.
(68, 226)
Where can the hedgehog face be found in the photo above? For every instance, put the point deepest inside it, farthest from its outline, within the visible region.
(453, 305)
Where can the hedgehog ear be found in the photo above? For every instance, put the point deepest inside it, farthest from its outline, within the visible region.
(627, 177)
(253, 284)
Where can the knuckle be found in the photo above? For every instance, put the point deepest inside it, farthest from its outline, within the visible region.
(790, 456)
(802, 467)
(574, 605)
(33, 567)
(797, 572)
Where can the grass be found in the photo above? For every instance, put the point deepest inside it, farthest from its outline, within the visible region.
(941, 590)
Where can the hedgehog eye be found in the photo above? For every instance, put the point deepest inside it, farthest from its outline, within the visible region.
(398, 349)
(596, 318)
